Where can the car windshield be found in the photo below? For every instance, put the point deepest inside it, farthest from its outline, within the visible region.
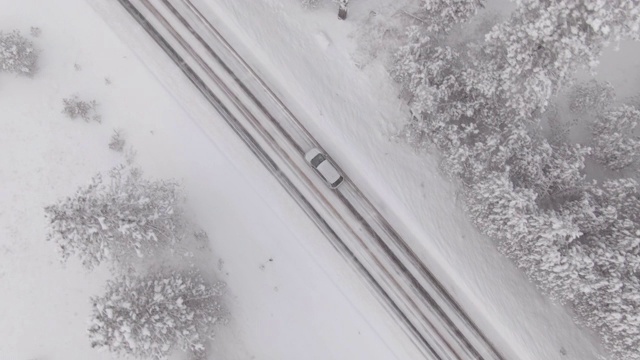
(317, 160)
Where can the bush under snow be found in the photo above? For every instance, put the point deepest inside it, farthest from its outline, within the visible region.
(74, 108)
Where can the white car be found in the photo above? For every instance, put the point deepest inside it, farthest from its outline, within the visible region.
(320, 162)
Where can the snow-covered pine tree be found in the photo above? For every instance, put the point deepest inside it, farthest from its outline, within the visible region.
(17, 54)
(117, 221)
(149, 316)
(614, 142)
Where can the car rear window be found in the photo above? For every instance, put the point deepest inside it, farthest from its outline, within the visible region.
(317, 160)
(337, 182)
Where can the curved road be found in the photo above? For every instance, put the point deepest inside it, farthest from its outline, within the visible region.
(433, 320)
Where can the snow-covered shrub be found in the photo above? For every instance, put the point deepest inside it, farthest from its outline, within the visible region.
(150, 316)
(592, 96)
(118, 220)
(440, 16)
(614, 142)
(17, 54)
(117, 141)
(74, 107)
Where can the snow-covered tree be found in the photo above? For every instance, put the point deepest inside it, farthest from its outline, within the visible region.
(614, 141)
(544, 42)
(445, 110)
(563, 179)
(608, 296)
(591, 97)
(428, 71)
(440, 16)
(17, 54)
(117, 221)
(480, 105)
(150, 316)
(534, 238)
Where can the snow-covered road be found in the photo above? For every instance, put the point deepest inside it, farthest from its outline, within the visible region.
(432, 319)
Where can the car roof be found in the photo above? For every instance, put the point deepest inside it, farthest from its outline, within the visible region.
(329, 172)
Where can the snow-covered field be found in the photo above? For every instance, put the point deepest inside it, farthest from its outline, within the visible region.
(289, 294)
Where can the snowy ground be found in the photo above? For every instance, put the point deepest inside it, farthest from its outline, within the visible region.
(290, 295)
(353, 113)
(303, 304)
